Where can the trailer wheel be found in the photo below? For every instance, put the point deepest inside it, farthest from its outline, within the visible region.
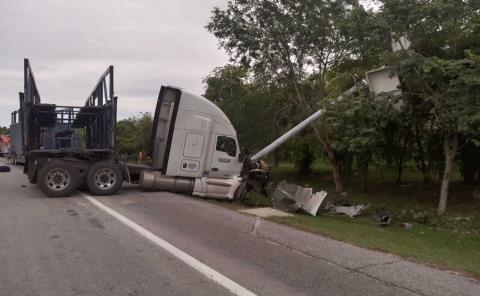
(57, 179)
(4, 169)
(104, 178)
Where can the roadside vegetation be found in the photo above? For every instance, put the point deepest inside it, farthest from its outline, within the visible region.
(415, 152)
(4, 130)
(291, 58)
(133, 135)
(450, 241)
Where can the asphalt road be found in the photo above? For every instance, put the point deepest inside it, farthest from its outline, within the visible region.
(70, 246)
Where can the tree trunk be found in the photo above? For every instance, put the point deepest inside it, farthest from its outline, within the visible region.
(276, 158)
(365, 178)
(327, 147)
(302, 102)
(450, 149)
(399, 170)
(305, 163)
(400, 157)
(421, 160)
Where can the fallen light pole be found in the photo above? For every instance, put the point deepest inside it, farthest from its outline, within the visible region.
(302, 125)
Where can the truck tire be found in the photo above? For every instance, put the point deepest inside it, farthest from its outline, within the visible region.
(241, 192)
(104, 178)
(58, 179)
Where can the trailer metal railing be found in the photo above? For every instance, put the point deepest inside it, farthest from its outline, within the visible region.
(97, 117)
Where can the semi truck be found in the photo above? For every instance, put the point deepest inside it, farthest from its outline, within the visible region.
(193, 148)
(193, 145)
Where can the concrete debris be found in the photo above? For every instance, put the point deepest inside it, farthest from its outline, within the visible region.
(340, 203)
(406, 225)
(383, 217)
(266, 212)
(291, 198)
(351, 211)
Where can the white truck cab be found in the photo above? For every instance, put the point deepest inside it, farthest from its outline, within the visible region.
(193, 143)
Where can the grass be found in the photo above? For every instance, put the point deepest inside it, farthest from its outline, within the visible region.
(451, 242)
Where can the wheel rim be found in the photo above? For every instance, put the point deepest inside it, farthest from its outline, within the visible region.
(58, 179)
(105, 178)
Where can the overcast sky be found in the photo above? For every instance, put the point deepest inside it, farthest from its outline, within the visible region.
(71, 43)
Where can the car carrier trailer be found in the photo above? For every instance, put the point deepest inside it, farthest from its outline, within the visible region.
(193, 146)
(64, 144)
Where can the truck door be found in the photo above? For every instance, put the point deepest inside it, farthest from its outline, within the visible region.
(163, 127)
(225, 163)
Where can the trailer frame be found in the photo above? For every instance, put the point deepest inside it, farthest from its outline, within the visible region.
(70, 140)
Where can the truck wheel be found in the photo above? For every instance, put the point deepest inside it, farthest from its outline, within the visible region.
(4, 169)
(241, 192)
(104, 178)
(58, 179)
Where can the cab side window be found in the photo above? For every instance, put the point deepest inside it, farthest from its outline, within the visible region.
(227, 145)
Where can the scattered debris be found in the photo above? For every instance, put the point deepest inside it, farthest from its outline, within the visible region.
(4, 169)
(462, 218)
(415, 215)
(341, 203)
(283, 197)
(290, 198)
(406, 225)
(349, 210)
(421, 217)
(256, 225)
(266, 212)
(383, 217)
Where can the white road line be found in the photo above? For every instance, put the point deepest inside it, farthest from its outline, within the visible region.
(191, 261)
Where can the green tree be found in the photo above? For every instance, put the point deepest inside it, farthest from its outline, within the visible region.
(255, 110)
(259, 113)
(287, 42)
(451, 86)
(4, 130)
(397, 140)
(470, 162)
(440, 72)
(358, 123)
(133, 134)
